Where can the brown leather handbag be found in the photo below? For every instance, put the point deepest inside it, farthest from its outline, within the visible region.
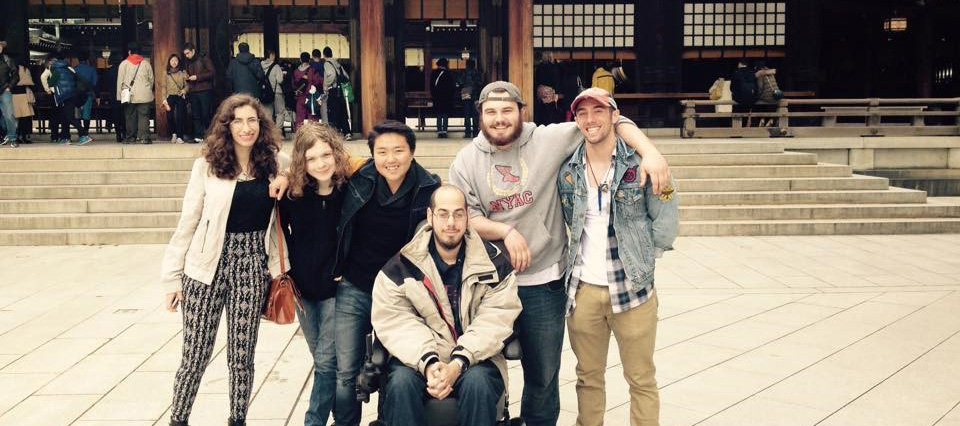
(284, 297)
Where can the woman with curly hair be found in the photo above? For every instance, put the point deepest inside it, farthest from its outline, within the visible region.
(309, 213)
(222, 254)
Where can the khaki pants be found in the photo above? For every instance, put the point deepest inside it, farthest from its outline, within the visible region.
(636, 334)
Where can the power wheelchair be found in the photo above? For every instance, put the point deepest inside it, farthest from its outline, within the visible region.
(436, 412)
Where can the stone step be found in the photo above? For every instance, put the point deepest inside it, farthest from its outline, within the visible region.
(48, 237)
(720, 146)
(91, 191)
(89, 220)
(764, 172)
(105, 205)
(812, 211)
(94, 178)
(761, 159)
(782, 184)
(821, 227)
(891, 196)
(100, 165)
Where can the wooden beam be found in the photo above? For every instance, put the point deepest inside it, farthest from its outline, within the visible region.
(520, 46)
(373, 75)
(167, 39)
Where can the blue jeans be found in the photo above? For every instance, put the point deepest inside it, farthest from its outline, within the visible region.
(318, 321)
(477, 391)
(6, 109)
(352, 325)
(443, 118)
(540, 329)
(470, 127)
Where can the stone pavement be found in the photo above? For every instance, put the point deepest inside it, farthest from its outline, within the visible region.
(834, 330)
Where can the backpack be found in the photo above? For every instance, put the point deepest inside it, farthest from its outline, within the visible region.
(743, 86)
(83, 86)
(344, 84)
(267, 95)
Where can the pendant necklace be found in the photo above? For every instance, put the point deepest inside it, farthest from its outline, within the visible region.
(601, 186)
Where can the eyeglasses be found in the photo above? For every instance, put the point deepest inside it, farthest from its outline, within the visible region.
(444, 215)
(251, 122)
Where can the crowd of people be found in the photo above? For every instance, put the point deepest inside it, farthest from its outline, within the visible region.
(126, 89)
(541, 230)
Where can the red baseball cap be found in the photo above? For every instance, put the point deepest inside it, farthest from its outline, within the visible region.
(595, 93)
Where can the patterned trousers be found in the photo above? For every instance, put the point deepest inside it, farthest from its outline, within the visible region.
(240, 285)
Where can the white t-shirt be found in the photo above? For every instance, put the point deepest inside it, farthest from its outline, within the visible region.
(594, 243)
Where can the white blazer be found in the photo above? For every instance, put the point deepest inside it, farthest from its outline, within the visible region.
(196, 245)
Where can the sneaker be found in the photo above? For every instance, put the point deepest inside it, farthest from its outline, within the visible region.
(173, 138)
(178, 141)
(197, 140)
(63, 142)
(14, 143)
(348, 137)
(84, 140)
(145, 141)
(6, 140)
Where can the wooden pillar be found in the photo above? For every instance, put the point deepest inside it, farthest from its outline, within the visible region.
(128, 27)
(271, 30)
(373, 77)
(167, 39)
(220, 42)
(520, 45)
(16, 34)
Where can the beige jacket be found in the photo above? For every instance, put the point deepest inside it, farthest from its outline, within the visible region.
(142, 89)
(173, 84)
(194, 250)
(412, 328)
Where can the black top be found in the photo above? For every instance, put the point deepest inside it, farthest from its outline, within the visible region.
(251, 206)
(380, 232)
(452, 275)
(310, 226)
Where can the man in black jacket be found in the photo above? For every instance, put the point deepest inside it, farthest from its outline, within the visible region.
(244, 73)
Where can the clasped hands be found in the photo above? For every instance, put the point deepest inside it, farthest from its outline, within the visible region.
(440, 378)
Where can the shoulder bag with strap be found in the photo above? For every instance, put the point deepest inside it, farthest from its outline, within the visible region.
(125, 93)
(284, 298)
(266, 92)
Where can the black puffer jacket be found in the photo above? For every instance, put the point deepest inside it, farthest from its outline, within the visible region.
(244, 74)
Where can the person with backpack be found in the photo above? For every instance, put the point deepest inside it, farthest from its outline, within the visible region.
(307, 87)
(135, 92)
(9, 76)
(63, 81)
(743, 86)
(274, 76)
(86, 84)
(244, 74)
(334, 110)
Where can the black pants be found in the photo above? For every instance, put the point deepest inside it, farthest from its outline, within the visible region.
(24, 127)
(177, 116)
(201, 106)
(67, 112)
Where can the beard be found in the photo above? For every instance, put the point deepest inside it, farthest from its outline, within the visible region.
(450, 243)
(506, 140)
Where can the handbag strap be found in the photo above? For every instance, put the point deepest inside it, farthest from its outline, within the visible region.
(280, 239)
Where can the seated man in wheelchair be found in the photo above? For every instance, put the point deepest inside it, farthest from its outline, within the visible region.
(443, 307)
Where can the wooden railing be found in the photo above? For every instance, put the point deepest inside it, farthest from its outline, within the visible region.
(826, 117)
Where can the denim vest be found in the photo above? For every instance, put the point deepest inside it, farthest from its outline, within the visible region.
(643, 222)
